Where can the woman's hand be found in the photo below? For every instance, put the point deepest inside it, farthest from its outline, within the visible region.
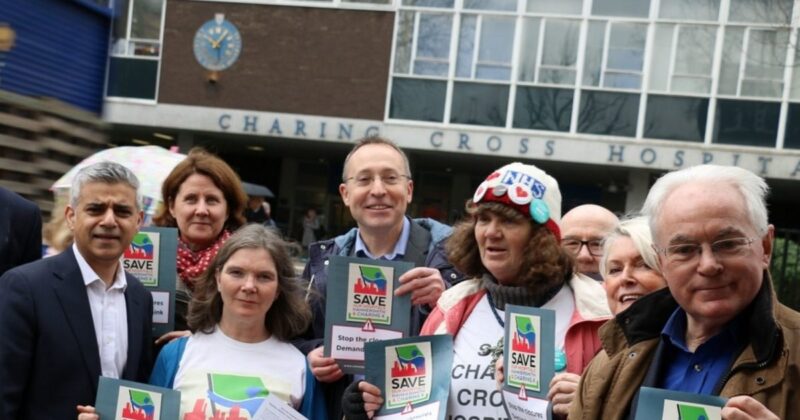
(562, 392)
(499, 372)
(372, 398)
(87, 412)
(166, 338)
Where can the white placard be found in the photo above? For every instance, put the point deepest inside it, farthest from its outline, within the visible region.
(348, 342)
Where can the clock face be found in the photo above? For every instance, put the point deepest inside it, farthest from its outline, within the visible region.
(217, 44)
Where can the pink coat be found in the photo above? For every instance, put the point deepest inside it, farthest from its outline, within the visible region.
(581, 342)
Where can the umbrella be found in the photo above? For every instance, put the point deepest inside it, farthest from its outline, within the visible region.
(255, 190)
(151, 164)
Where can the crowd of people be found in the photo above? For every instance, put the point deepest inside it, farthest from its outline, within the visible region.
(678, 298)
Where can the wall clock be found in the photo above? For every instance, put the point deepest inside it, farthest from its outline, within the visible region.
(217, 44)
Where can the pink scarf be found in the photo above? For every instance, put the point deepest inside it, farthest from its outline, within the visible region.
(191, 264)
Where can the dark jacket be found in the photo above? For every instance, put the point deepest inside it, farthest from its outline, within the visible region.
(49, 360)
(425, 249)
(767, 369)
(20, 231)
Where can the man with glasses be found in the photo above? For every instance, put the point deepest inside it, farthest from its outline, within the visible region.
(718, 328)
(582, 231)
(377, 188)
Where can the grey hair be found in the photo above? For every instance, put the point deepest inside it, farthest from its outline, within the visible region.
(106, 172)
(752, 187)
(366, 141)
(637, 229)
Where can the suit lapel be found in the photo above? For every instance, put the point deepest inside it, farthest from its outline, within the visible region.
(417, 248)
(5, 229)
(135, 306)
(71, 292)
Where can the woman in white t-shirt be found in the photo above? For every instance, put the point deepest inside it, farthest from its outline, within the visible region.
(245, 308)
(509, 245)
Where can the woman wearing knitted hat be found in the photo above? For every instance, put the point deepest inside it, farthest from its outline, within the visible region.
(509, 245)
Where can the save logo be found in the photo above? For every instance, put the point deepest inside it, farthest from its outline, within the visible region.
(410, 374)
(235, 391)
(139, 405)
(523, 364)
(371, 282)
(524, 336)
(369, 294)
(141, 247)
(691, 412)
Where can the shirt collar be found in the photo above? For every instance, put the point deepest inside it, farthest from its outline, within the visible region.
(674, 331)
(90, 276)
(399, 247)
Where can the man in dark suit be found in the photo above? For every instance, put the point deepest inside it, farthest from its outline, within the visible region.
(20, 231)
(68, 319)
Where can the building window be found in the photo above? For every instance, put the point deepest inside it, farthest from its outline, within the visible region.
(611, 113)
(753, 61)
(684, 60)
(423, 43)
(792, 138)
(707, 10)
(485, 46)
(761, 11)
(549, 51)
(748, 123)
(615, 54)
(630, 8)
(676, 118)
(417, 99)
(563, 7)
(479, 104)
(135, 49)
(541, 108)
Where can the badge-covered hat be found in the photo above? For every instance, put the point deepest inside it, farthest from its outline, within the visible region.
(527, 189)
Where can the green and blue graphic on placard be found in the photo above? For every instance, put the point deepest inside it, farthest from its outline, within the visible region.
(655, 403)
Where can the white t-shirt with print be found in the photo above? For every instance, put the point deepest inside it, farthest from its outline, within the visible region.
(473, 391)
(218, 373)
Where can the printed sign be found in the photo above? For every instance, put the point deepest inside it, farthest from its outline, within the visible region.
(125, 400)
(654, 403)
(365, 309)
(275, 408)
(529, 361)
(152, 258)
(413, 374)
(141, 258)
(369, 294)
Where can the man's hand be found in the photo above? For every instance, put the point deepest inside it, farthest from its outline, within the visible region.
(87, 412)
(425, 285)
(324, 368)
(562, 391)
(744, 407)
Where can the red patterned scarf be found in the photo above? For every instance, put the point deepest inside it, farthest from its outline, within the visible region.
(191, 264)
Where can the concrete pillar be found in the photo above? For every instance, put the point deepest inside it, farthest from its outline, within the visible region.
(638, 186)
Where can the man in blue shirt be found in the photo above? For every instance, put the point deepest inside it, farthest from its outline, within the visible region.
(718, 328)
(377, 188)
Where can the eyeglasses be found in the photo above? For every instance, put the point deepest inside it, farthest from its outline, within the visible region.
(365, 180)
(689, 252)
(594, 246)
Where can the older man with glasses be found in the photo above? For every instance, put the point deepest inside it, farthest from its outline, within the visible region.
(582, 231)
(718, 329)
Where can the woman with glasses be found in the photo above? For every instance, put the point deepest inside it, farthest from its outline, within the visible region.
(509, 244)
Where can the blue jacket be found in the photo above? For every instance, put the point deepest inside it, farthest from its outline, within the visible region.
(163, 375)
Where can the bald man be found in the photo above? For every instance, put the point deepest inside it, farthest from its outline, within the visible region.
(582, 231)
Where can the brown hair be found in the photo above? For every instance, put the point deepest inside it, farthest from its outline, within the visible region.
(545, 263)
(199, 161)
(288, 316)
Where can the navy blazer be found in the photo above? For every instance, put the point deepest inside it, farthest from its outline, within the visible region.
(20, 231)
(49, 360)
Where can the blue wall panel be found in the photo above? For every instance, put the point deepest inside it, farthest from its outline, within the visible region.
(60, 51)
